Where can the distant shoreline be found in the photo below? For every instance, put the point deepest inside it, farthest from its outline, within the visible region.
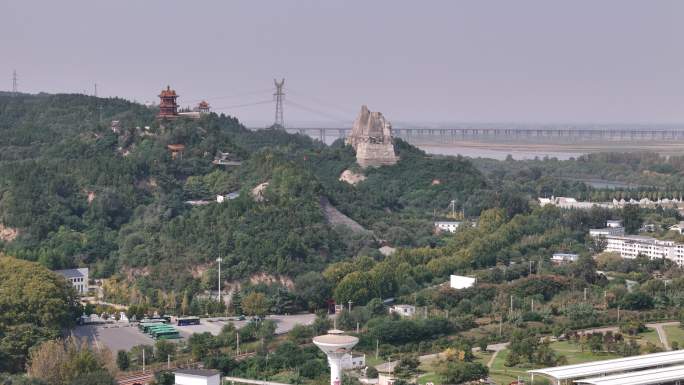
(497, 150)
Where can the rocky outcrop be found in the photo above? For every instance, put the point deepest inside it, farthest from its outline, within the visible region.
(351, 177)
(371, 137)
(258, 192)
(8, 234)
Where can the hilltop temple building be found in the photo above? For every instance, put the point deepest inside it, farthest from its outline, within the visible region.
(168, 107)
(371, 137)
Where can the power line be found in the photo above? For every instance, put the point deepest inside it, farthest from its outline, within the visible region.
(279, 96)
(242, 105)
(317, 112)
(322, 103)
(234, 96)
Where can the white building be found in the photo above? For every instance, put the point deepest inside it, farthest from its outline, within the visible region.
(227, 197)
(449, 226)
(563, 258)
(630, 246)
(197, 377)
(403, 310)
(461, 282)
(353, 361)
(607, 232)
(77, 277)
(613, 223)
(678, 227)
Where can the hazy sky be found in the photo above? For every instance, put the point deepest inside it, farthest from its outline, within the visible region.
(460, 61)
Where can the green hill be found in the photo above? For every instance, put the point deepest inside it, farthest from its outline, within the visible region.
(78, 193)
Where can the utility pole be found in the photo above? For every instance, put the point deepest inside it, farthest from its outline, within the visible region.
(219, 260)
(377, 348)
(500, 325)
(585, 294)
(279, 96)
(350, 303)
(532, 305)
(15, 84)
(95, 94)
(143, 359)
(511, 309)
(237, 348)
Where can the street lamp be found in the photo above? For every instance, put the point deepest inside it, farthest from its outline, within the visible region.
(219, 260)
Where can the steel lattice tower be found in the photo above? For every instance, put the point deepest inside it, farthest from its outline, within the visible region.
(279, 96)
(15, 85)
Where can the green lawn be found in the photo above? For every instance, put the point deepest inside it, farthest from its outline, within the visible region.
(372, 361)
(573, 353)
(651, 335)
(675, 333)
(430, 377)
(503, 375)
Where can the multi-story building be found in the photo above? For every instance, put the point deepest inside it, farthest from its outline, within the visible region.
(77, 277)
(630, 246)
(607, 231)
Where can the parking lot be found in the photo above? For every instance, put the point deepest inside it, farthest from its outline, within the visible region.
(123, 336)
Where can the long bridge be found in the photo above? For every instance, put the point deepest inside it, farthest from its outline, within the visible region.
(546, 134)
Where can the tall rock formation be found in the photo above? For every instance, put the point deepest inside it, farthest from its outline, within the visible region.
(371, 137)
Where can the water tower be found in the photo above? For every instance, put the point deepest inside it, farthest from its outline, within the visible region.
(335, 345)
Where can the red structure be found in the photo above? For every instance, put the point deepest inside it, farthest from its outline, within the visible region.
(168, 108)
(203, 107)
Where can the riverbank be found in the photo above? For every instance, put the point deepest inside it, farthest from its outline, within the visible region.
(500, 151)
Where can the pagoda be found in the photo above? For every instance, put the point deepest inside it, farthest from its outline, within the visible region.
(203, 107)
(168, 108)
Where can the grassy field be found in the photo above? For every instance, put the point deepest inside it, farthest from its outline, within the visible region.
(651, 335)
(573, 353)
(675, 333)
(503, 375)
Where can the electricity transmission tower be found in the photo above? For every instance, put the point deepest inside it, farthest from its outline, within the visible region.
(15, 85)
(279, 95)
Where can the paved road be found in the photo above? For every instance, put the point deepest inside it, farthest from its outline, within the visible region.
(659, 327)
(284, 323)
(496, 348)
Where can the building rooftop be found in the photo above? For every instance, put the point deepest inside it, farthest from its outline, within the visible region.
(168, 92)
(335, 339)
(597, 368)
(197, 372)
(73, 273)
(644, 377)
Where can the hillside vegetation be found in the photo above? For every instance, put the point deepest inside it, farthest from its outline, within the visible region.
(73, 192)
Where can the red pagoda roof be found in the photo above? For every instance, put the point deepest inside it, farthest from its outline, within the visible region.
(168, 92)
